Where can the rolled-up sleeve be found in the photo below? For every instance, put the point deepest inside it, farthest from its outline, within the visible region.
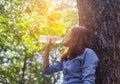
(89, 67)
(55, 67)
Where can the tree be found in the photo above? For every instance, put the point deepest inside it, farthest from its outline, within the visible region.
(102, 17)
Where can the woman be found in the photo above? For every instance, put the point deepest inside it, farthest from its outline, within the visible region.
(78, 62)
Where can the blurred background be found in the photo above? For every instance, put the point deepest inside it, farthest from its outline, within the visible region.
(22, 22)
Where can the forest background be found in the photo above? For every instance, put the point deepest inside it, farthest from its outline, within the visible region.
(22, 22)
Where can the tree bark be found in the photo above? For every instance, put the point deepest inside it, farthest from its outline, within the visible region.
(102, 17)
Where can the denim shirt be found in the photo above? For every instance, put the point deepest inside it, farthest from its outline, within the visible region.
(79, 70)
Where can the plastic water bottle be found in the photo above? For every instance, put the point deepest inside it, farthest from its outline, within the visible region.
(54, 39)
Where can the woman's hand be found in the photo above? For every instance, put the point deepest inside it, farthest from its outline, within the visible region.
(50, 41)
(46, 52)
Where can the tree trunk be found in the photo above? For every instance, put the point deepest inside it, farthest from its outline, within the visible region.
(103, 18)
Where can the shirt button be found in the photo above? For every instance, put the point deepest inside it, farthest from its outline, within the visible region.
(73, 61)
(80, 70)
(81, 63)
(67, 79)
(66, 71)
(80, 78)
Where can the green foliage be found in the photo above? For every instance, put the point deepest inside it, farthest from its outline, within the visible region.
(21, 24)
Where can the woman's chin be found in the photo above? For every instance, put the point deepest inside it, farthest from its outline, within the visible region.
(65, 44)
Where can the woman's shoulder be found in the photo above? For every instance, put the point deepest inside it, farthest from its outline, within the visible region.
(90, 53)
(89, 50)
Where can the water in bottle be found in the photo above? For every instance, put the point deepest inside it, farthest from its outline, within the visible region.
(55, 39)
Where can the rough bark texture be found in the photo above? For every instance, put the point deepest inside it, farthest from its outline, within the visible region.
(103, 18)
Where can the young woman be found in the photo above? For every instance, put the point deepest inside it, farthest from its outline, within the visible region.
(78, 62)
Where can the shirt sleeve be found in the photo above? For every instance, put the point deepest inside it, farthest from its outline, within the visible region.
(55, 67)
(89, 67)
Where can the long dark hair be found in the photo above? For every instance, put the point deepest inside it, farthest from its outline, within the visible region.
(78, 42)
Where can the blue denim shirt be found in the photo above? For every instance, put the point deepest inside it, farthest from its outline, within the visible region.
(79, 70)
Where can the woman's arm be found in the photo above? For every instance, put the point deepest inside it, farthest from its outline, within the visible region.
(46, 56)
(89, 67)
(47, 68)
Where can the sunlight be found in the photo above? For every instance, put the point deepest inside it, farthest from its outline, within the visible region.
(22, 24)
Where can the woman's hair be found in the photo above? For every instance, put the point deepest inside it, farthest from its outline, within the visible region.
(78, 42)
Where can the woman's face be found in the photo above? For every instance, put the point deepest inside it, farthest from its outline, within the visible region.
(67, 38)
